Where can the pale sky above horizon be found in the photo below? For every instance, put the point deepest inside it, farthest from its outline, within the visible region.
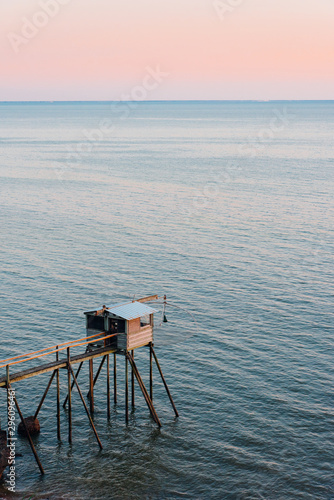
(210, 49)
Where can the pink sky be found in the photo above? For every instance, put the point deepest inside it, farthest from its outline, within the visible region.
(260, 49)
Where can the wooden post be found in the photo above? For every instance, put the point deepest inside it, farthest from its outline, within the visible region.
(126, 391)
(91, 386)
(83, 401)
(58, 400)
(108, 387)
(78, 371)
(44, 395)
(165, 383)
(115, 379)
(144, 390)
(97, 373)
(132, 383)
(151, 373)
(69, 388)
(29, 437)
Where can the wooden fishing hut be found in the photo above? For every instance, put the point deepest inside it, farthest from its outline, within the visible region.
(130, 322)
(117, 329)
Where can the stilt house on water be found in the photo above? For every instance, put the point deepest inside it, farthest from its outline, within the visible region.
(111, 330)
(130, 322)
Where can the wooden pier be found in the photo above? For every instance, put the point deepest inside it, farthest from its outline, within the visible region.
(127, 326)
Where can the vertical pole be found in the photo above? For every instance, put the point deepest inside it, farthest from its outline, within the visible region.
(91, 386)
(58, 399)
(151, 374)
(126, 391)
(115, 379)
(77, 374)
(132, 383)
(108, 387)
(69, 389)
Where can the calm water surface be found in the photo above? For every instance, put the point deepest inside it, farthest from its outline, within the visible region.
(228, 209)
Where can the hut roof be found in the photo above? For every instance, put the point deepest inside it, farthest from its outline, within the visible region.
(128, 310)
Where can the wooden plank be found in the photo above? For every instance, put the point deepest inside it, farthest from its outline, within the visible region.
(147, 299)
(48, 367)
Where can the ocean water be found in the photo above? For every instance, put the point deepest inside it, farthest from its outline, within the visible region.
(225, 207)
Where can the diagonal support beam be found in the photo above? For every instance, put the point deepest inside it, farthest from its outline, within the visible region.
(23, 422)
(44, 395)
(164, 381)
(85, 406)
(97, 374)
(78, 371)
(143, 389)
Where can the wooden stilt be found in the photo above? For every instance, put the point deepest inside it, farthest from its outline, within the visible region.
(84, 403)
(78, 371)
(144, 390)
(115, 379)
(132, 383)
(164, 381)
(58, 400)
(108, 387)
(151, 374)
(29, 437)
(91, 386)
(44, 395)
(69, 395)
(12, 395)
(126, 391)
(97, 374)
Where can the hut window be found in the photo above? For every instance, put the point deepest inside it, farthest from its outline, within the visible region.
(145, 320)
(96, 323)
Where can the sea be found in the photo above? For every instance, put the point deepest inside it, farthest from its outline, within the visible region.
(227, 209)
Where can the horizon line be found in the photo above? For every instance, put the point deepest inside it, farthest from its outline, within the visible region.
(53, 101)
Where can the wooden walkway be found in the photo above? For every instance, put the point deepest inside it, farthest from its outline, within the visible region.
(92, 351)
(49, 367)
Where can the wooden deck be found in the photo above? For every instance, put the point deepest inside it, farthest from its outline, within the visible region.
(49, 367)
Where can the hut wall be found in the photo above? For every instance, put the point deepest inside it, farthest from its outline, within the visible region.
(140, 338)
(133, 325)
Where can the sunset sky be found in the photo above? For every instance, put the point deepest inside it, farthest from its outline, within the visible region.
(228, 49)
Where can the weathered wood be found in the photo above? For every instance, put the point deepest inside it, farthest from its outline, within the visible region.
(72, 385)
(132, 383)
(58, 400)
(29, 437)
(69, 388)
(126, 392)
(115, 379)
(98, 373)
(91, 386)
(44, 395)
(151, 374)
(49, 367)
(164, 381)
(144, 390)
(85, 406)
(108, 387)
(147, 299)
